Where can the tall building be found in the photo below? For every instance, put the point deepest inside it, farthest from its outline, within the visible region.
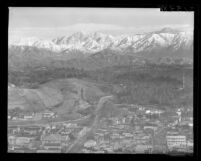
(176, 141)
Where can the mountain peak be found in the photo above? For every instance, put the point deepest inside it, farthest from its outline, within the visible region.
(79, 34)
(97, 41)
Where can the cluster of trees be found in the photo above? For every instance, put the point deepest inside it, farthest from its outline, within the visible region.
(144, 85)
(161, 93)
(34, 77)
(151, 85)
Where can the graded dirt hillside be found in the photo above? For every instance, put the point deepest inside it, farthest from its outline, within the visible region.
(64, 95)
(33, 99)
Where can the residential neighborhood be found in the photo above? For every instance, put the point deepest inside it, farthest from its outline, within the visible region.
(143, 131)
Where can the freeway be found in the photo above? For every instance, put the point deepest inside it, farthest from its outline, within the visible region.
(73, 148)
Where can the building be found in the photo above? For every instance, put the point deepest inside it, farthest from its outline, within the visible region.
(38, 116)
(141, 139)
(178, 141)
(84, 131)
(48, 151)
(114, 136)
(54, 138)
(23, 140)
(47, 114)
(28, 117)
(143, 148)
(34, 144)
(152, 127)
(32, 129)
(70, 125)
(52, 146)
(12, 140)
(189, 145)
(173, 132)
(186, 121)
(128, 134)
(90, 143)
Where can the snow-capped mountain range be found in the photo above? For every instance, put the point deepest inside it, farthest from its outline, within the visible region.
(90, 43)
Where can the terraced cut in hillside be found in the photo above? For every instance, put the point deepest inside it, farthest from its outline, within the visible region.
(58, 93)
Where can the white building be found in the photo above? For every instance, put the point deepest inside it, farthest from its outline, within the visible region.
(28, 117)
(90, 143)
(178, 141)
(47, 114)
(22, 140)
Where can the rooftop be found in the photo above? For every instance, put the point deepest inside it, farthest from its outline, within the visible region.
(52, 144)
(54, 137)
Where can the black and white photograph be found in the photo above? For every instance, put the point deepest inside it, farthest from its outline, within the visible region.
(100, 80)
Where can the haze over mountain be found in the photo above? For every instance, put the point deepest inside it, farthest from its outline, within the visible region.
(96, 50)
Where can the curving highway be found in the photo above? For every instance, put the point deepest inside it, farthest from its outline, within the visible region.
(73, 148)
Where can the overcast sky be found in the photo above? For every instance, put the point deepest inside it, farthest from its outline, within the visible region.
(47, 23)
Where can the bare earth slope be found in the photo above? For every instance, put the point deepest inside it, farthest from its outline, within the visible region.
(61, 93)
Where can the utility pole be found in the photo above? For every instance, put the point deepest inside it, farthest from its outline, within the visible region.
(183, 81)
(153, 140)
(130, 76)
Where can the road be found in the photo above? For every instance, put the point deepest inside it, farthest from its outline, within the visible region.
(73, 148)
(57, 122)
(99, 106)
